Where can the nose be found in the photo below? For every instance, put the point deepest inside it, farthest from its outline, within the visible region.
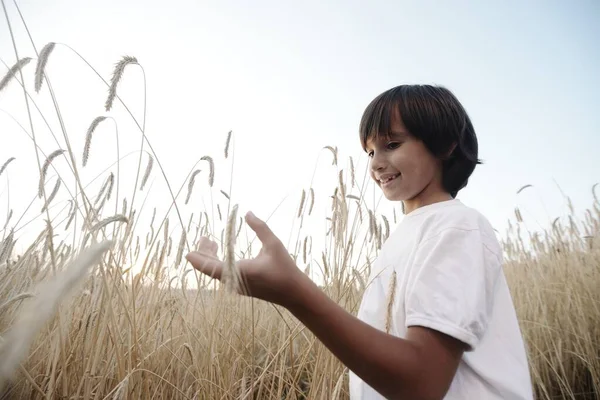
(377, 161)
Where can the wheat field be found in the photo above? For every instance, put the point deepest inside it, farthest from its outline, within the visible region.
(101, 304)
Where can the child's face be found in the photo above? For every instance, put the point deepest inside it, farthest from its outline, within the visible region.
(402, 166)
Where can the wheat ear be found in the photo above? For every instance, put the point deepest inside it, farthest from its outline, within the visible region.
(334, 152)
(231, 274)
(52, 195)
(227, 142)
(211, 172)
(116, 78)
(88, 138)
(45, 167)
(147, 171)
(49, 294)
(191, 185)
(41, 65)
(12, 72)
(6, 164)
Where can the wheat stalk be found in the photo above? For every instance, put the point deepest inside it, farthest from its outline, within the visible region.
(116, 78)
(147, 171)
(211, 172)
(15, 299)
(6, 164)
(352, 177)
(49, 294)
(12, 72)
(41, 65)
(45, 167)
(7, 246)
(106, 221)
(52, 195)
(191, 185)
(88, 138)
(10, 214)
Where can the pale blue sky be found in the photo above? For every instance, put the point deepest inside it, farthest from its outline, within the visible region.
(291, 77)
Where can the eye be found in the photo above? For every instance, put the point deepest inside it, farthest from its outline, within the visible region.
(393, 145)
(370, 153)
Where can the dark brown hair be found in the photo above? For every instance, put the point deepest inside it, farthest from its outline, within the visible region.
(433, 115)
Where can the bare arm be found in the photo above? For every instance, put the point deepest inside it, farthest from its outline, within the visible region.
(421, 366)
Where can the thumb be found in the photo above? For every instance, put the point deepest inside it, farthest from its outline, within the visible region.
(206, 263)
(261, 229)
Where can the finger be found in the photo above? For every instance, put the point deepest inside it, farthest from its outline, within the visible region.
(206, 263)
(262, 230)
(205, 245)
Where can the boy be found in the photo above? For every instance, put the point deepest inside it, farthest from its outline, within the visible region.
(436, 320)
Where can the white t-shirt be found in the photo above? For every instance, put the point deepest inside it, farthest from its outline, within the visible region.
(448, 267)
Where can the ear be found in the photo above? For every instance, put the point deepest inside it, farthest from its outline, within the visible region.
(450, 151)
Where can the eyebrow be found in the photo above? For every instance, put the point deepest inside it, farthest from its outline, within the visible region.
(399, 134)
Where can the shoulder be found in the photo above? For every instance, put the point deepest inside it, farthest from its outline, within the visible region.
(458, 218)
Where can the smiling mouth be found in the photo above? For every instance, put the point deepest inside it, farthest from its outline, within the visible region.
(388, 179)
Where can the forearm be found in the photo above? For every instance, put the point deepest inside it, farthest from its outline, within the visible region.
(386, 363)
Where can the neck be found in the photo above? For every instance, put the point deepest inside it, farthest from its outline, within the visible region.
(428, 196)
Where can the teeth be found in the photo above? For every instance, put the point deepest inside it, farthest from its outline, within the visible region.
(389, 179)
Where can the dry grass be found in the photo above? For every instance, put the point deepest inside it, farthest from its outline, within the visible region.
(144, 325)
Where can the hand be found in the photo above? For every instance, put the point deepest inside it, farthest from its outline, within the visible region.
(272, 275)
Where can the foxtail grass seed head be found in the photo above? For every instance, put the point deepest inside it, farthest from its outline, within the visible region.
(523, 188)
(147, 171)
(225, 194)
(227, 142)
(387, 227)
(518, 215)
(312, 201)
(334, 152)
(231, 274)
(302, 200)
(12, 72)
(45, 167)
(106, 221)
(211, 172)
(52, 195)
(116, 78)
(40, 68)
(6, 164)
(180, 248)
(342, 186)
(219, 211)
(191, 185)
(72, 213)
(88, 139)
(30, 320)
(353, 197)
(390, 302)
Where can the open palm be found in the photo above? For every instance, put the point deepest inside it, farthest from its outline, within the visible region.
(272, 275)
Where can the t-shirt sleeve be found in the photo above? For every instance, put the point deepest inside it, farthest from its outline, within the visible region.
(451, 285)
